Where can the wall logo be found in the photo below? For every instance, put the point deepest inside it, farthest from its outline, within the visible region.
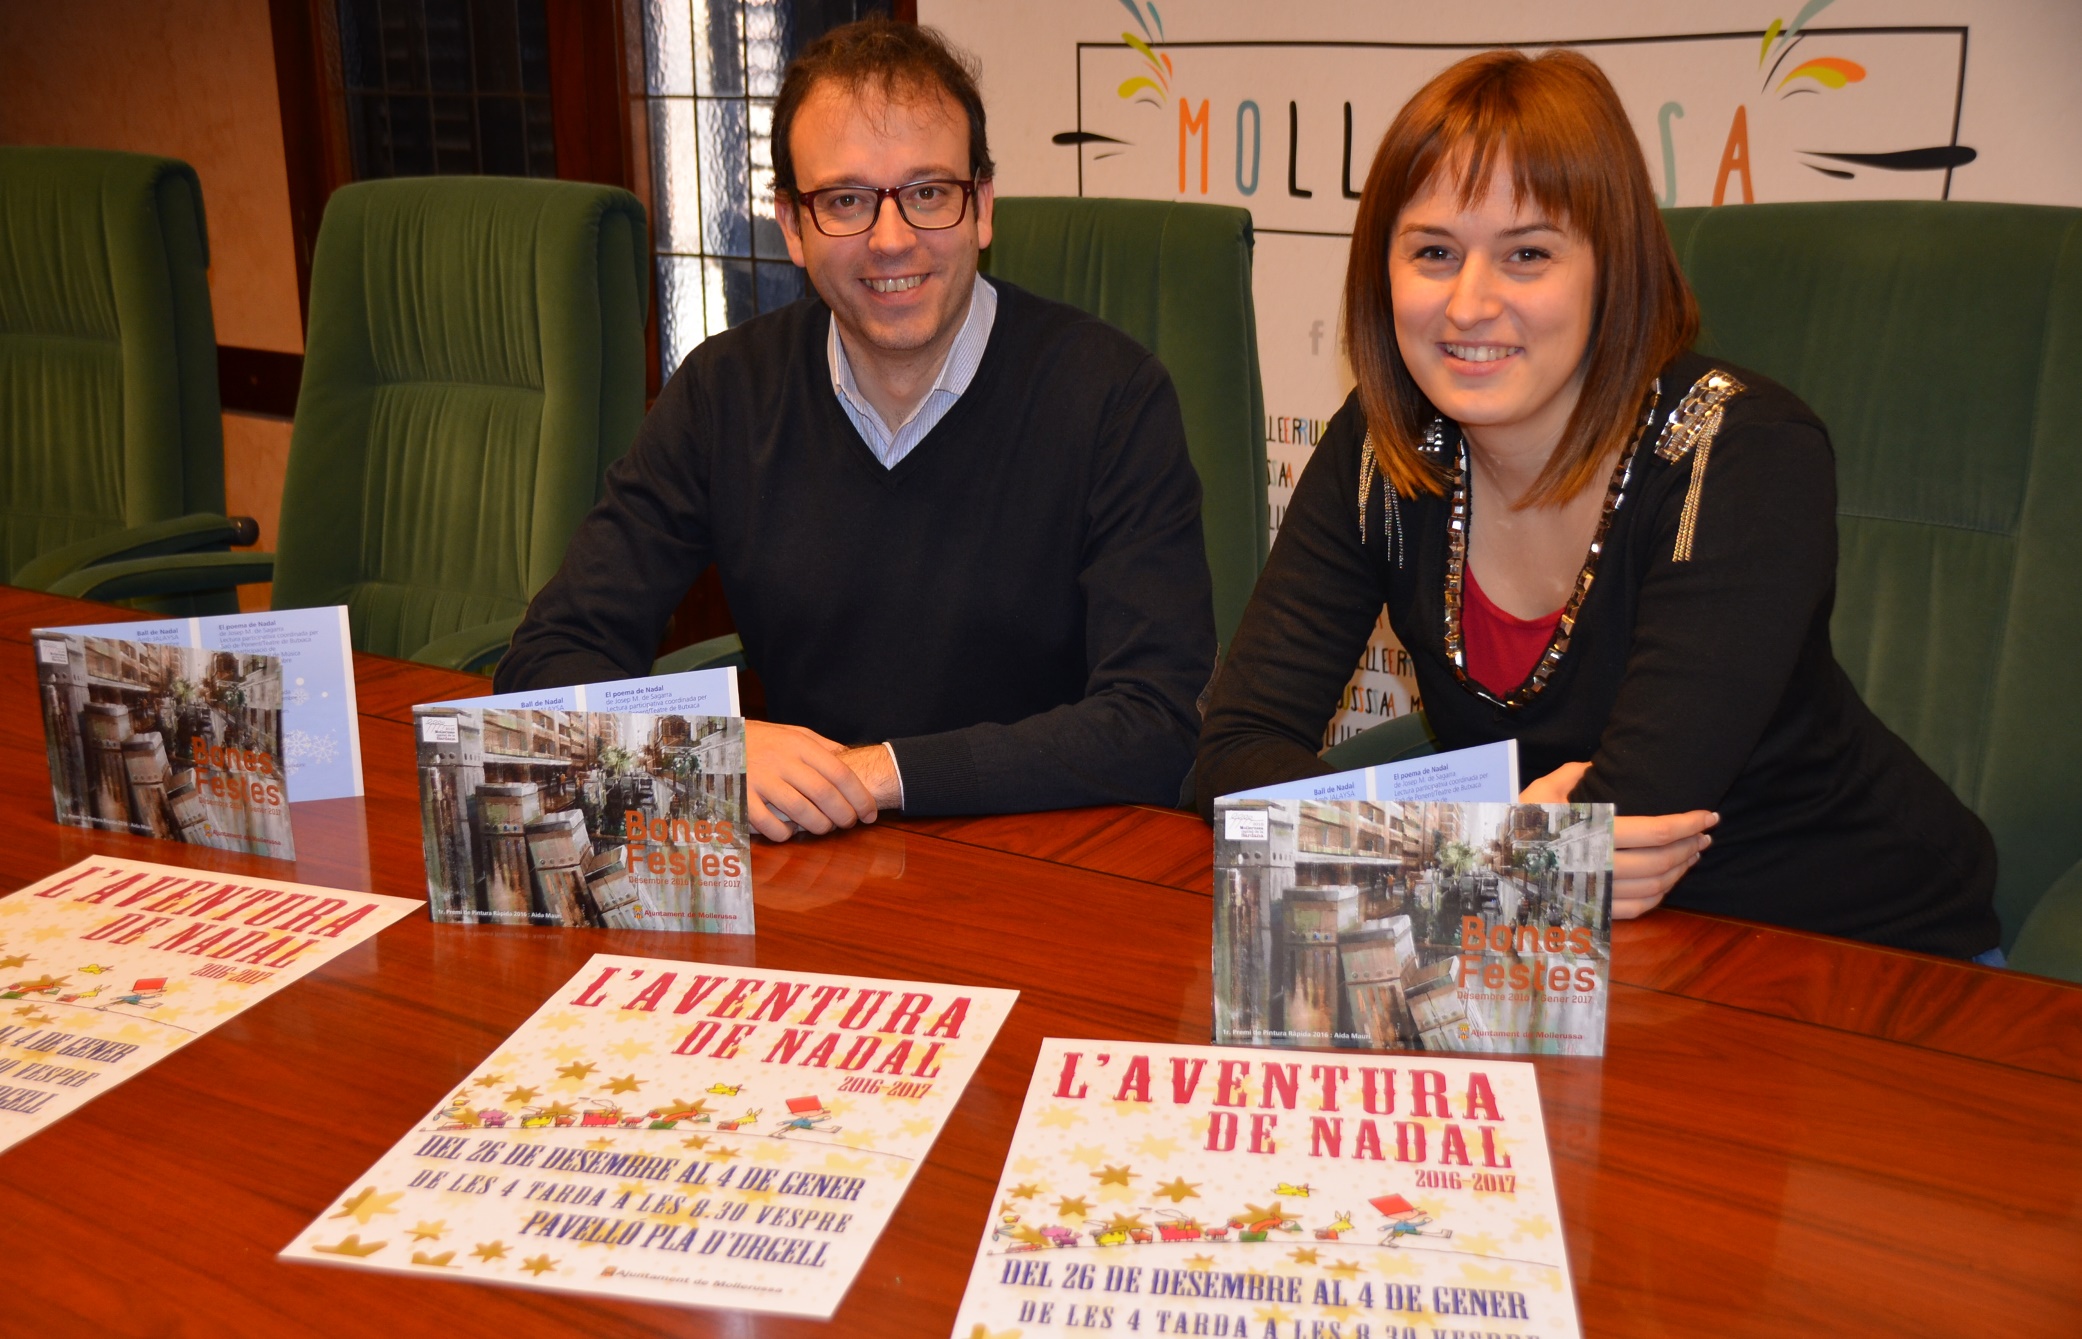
(1786, 112)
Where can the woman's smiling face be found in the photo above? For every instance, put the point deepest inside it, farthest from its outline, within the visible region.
(1492, 304)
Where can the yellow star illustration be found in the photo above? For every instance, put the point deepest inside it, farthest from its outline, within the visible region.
(577, 1070)
(366, 1205)
(32, 1014)
(1150, 1146)
(430, 1231)
(1343, 1269)
(1304, 1256)
(490, 1250)
(694, 1141)
(1113, 1176)
(490, 1080)
(91, 969)
(1500, 1277)
(565, 1052)
(846, 1166)
(629, 1048)
(16, 960)
(1072, 1208)
(351, 1245)
(1127, 1106)
(1126, 1223)
(918, 1128)
(1178, 1191)
(600, 1145)
(1340, 1310)
(1026, 1166)
(556, 1109)
(1087, 1154)
(562, 1022)
(44, 982)
(438, 1261)
(1031, 1236)
(981, 1333)
(539, 1265)
(1479, 1243)
(1024, 1191)
(632, 1188)
(722, 1154)
(1271, 1315)
(522, 1095)
(1535, 1227)
(628, 1083)
(1200, 1263)
(1058, 1118)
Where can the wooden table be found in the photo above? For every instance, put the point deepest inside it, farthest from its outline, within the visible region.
(1789, 1135)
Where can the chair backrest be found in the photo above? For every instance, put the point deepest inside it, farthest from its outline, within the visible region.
(1177, 277)
(108, 356)
(474, 363)
(1942, 344)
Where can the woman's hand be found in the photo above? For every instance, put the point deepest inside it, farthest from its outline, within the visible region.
(1649, 854)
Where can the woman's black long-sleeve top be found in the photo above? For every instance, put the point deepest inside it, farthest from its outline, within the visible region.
(1705, 682)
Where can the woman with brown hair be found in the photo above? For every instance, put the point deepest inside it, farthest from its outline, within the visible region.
(1588, 538)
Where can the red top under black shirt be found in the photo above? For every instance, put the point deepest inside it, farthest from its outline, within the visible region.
(1502, 648)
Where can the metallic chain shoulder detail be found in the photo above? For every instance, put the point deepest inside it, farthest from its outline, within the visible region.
(1391, 511)
(1691, 428)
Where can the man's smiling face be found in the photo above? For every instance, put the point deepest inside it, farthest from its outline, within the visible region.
(894, 289)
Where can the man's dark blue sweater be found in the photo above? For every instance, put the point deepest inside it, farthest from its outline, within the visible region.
(1021, 607)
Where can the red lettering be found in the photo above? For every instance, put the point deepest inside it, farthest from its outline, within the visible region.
(596, 994)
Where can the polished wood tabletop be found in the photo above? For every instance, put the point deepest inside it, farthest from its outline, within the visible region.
(1788, 1135)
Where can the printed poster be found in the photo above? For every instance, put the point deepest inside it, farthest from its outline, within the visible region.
(112, 964)
(676, 1132)
(1155, 1189)
(1413, 925)
(166, 741)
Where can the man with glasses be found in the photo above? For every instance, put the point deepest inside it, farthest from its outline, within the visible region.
(956, 523)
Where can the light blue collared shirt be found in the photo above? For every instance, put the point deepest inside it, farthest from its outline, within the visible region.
(956, 373)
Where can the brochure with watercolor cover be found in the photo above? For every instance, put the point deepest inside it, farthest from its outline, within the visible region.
(321, 731)
(112, 964)
(678, 1132)
(1156, 1189)
(166, 741)
(618, 804)
(1487, 772)
(1412, 925)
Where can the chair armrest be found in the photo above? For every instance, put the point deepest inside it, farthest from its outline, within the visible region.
(2050, 941)
(1396, 740)
(473, 650)
(182, 534)
(173, 574)
(714, 653)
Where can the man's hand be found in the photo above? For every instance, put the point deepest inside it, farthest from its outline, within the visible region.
(1649, 855)
(796, 780)
(876, 768)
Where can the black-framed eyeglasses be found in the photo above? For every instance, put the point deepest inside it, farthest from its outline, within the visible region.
(847, 211)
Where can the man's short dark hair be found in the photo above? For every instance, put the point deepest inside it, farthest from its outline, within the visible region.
(897, 59)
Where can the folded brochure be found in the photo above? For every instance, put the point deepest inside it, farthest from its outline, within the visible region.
(166, 741)
(616, 804)
(1161, 1189)
(678, 1132)
(321, 732)
(112, 964)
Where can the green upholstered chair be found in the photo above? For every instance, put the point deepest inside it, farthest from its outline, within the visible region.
(1178, 278)
(111, 439)
(1942, 344)
(475, 362)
